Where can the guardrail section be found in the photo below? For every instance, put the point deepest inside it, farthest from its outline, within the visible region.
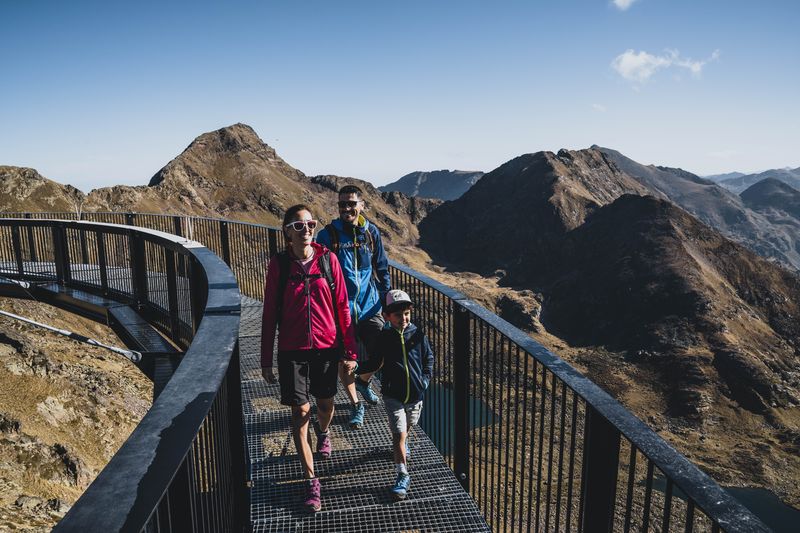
(183, 466)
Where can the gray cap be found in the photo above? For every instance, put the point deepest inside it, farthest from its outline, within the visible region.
(396, 297)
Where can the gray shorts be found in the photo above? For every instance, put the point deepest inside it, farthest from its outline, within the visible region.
(402, 416)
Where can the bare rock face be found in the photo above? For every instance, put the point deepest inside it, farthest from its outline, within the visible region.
(65, 408)
(769, 236)
(24, 189)
(415, 207)
(521, 309)
(229, 172)
(674, 319)
(515, 217)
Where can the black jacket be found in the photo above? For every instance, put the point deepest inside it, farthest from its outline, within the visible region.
(407, 361)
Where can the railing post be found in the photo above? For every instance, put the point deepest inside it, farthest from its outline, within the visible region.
(240, 459)
(84, 246)
(16, 243)
(172, 294)
(600, 466)
(461, 359)
(272, 239)
(197, 290)
(138, 262)
(31, 241)
(130, 219)
(102, 262)
(61, 254)
(176, 225)
(223, 239)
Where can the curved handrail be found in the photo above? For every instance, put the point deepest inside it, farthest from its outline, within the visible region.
(136, 488)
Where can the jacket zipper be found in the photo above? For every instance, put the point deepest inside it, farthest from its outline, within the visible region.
(308, 305)
(405, 365)
(358, 275)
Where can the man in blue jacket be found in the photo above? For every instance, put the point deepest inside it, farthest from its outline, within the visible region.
(358, 246)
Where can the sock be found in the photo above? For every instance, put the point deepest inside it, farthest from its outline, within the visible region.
(401, 468)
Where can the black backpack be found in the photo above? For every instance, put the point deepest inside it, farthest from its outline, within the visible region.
(324, 261)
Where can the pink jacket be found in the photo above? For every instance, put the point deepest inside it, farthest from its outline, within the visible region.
(307, 319)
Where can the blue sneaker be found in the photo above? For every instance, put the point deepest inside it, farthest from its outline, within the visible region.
(401, 486)
(366, 391)
(357, 419)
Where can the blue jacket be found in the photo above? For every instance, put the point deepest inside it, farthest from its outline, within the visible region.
(365, 289)
(407, 361)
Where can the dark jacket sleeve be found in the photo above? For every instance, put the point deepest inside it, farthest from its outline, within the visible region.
(342, 304)
(375, 361)
(381, 266)
(269, 317)
(427, 360)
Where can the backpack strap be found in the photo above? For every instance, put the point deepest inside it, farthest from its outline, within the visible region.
(371, 247)
(334, 236)
(284, 264)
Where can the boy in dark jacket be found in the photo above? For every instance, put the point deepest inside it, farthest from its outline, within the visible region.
(407, 360)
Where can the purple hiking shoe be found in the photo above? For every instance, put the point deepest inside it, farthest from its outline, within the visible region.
(324, 446)
(313, 502)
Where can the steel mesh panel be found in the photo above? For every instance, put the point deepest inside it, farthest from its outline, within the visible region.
(455, 514)
(357, 477)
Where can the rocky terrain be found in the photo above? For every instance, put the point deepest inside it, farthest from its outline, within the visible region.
(692, 331)
(24, 189)
(719, 208)
(65, 409)
(441, 184)
(774, 199)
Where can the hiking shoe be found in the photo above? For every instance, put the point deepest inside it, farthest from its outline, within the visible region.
(366, 391)
(401, 486)
(313, 502)
(357, 419)
(324, 446)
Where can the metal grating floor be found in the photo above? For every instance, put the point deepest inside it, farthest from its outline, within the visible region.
(355, 480)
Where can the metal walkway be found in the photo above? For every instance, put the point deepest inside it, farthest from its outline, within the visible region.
(357, 477)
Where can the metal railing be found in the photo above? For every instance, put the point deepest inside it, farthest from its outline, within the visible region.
(183, 465)
(537, 445)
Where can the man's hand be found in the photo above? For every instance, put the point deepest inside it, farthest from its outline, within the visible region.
(350, 366)
(269, 375)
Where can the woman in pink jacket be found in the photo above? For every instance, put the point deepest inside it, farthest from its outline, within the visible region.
(310, 342)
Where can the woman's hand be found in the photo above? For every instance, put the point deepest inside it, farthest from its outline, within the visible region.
(269, 375)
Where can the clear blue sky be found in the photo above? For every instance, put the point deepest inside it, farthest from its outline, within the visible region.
(103, 93)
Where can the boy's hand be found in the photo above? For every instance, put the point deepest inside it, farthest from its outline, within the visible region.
(350, 366)
(269, 376)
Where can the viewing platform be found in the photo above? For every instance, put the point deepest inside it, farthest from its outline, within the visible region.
(357, 477)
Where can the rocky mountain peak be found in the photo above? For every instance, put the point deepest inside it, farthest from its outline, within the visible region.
(224, 148)
(24, 189)
(440, 184)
